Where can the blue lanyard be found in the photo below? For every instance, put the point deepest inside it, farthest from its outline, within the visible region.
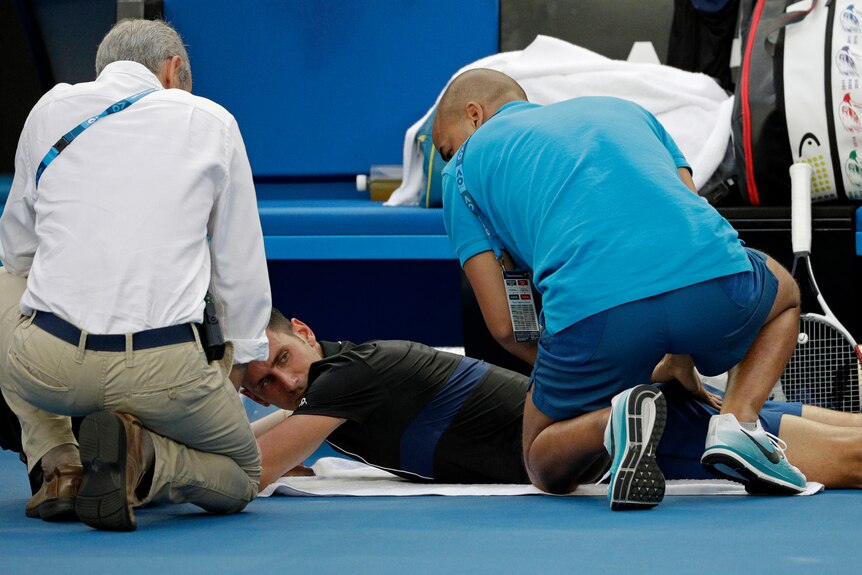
(493, 239)
(63, 142)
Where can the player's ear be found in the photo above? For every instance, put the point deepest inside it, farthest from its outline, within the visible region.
(253, 397)
(303, 331)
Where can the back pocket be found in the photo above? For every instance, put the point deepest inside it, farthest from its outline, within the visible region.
(739, 288)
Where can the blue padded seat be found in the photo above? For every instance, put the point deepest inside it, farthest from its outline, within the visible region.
(301, 229)
(359, 217)
(342, 229)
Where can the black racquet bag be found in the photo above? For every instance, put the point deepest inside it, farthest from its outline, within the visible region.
(799, 99)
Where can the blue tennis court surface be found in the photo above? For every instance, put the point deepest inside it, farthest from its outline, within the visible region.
(382, 535)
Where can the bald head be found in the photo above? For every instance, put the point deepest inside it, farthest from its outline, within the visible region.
(471, 98)
(487, 87)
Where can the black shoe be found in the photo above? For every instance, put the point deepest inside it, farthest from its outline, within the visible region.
(111, 454)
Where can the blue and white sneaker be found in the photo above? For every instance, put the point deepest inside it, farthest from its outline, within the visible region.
(754, 458)
(635, 426)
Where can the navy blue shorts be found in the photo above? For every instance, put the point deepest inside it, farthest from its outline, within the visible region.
(579, 369)
(682, 443)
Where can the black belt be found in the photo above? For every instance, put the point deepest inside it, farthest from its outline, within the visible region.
(146, 339)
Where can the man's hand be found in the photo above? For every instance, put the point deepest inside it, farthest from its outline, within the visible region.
(681, 368)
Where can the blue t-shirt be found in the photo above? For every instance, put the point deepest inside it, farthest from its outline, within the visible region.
(586, 194)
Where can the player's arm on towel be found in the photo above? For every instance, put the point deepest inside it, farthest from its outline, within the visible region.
(290, 442)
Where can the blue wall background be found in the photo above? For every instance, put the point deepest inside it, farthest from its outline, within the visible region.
(322, 89)
(328, 87)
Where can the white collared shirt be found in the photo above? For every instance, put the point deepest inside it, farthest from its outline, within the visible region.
(143, 213)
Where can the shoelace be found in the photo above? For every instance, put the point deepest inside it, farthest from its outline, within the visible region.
(604, 477)
(777, 443)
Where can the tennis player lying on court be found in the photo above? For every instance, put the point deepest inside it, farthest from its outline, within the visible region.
(432, 416)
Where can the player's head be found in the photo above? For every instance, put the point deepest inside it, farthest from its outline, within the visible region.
(471, 98)
(152, 43)
(282, 379)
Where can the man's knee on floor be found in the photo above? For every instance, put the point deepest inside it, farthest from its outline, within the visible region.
(227, 505)
(550, 480)
(558, 475)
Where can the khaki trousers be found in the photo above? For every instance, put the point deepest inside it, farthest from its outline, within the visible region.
(205, 450)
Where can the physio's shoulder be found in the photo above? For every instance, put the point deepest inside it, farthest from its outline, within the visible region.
(591, 106)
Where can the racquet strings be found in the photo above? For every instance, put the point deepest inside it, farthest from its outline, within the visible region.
(824, 369)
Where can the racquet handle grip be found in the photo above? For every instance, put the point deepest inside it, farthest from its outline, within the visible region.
(800, 207)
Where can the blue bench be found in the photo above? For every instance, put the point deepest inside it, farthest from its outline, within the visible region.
(355, 269)
(345, 228)
(359, 270)
(340, 228)
(352, 229)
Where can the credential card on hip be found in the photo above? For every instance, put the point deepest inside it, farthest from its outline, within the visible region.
(522, 308)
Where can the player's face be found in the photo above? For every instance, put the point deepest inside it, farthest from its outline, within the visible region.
(282, 379)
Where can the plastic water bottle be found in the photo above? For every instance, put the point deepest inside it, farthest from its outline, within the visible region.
(380, 182)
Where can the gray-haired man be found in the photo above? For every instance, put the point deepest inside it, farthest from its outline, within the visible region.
(130, 217)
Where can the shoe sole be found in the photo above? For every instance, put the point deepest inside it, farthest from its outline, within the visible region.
(729, 465)
(102, 502)
(57, 510)
(638, 482)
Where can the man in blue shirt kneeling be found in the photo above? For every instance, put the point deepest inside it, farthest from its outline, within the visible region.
(641, 280)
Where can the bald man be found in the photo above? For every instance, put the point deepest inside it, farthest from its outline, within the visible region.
(641, 281)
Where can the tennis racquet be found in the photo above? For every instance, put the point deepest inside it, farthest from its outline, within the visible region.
(825, 368)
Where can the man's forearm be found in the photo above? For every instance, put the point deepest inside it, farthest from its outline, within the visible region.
(267, 422)
(524, 351)
(685, 176)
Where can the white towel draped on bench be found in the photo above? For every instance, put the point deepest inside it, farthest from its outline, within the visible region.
(693, 108)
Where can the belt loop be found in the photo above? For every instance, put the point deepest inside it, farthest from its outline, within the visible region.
(82, 346)
(29, 319)
(130, 356)
(197, 337)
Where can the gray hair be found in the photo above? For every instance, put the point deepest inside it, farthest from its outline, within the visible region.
(147, 42)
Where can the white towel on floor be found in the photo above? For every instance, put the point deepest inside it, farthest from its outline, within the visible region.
(335, 476)
(693, 108)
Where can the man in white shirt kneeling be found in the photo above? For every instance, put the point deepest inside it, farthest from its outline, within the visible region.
(130, 218)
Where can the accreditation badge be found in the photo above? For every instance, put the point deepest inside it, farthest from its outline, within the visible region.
(522, 308)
